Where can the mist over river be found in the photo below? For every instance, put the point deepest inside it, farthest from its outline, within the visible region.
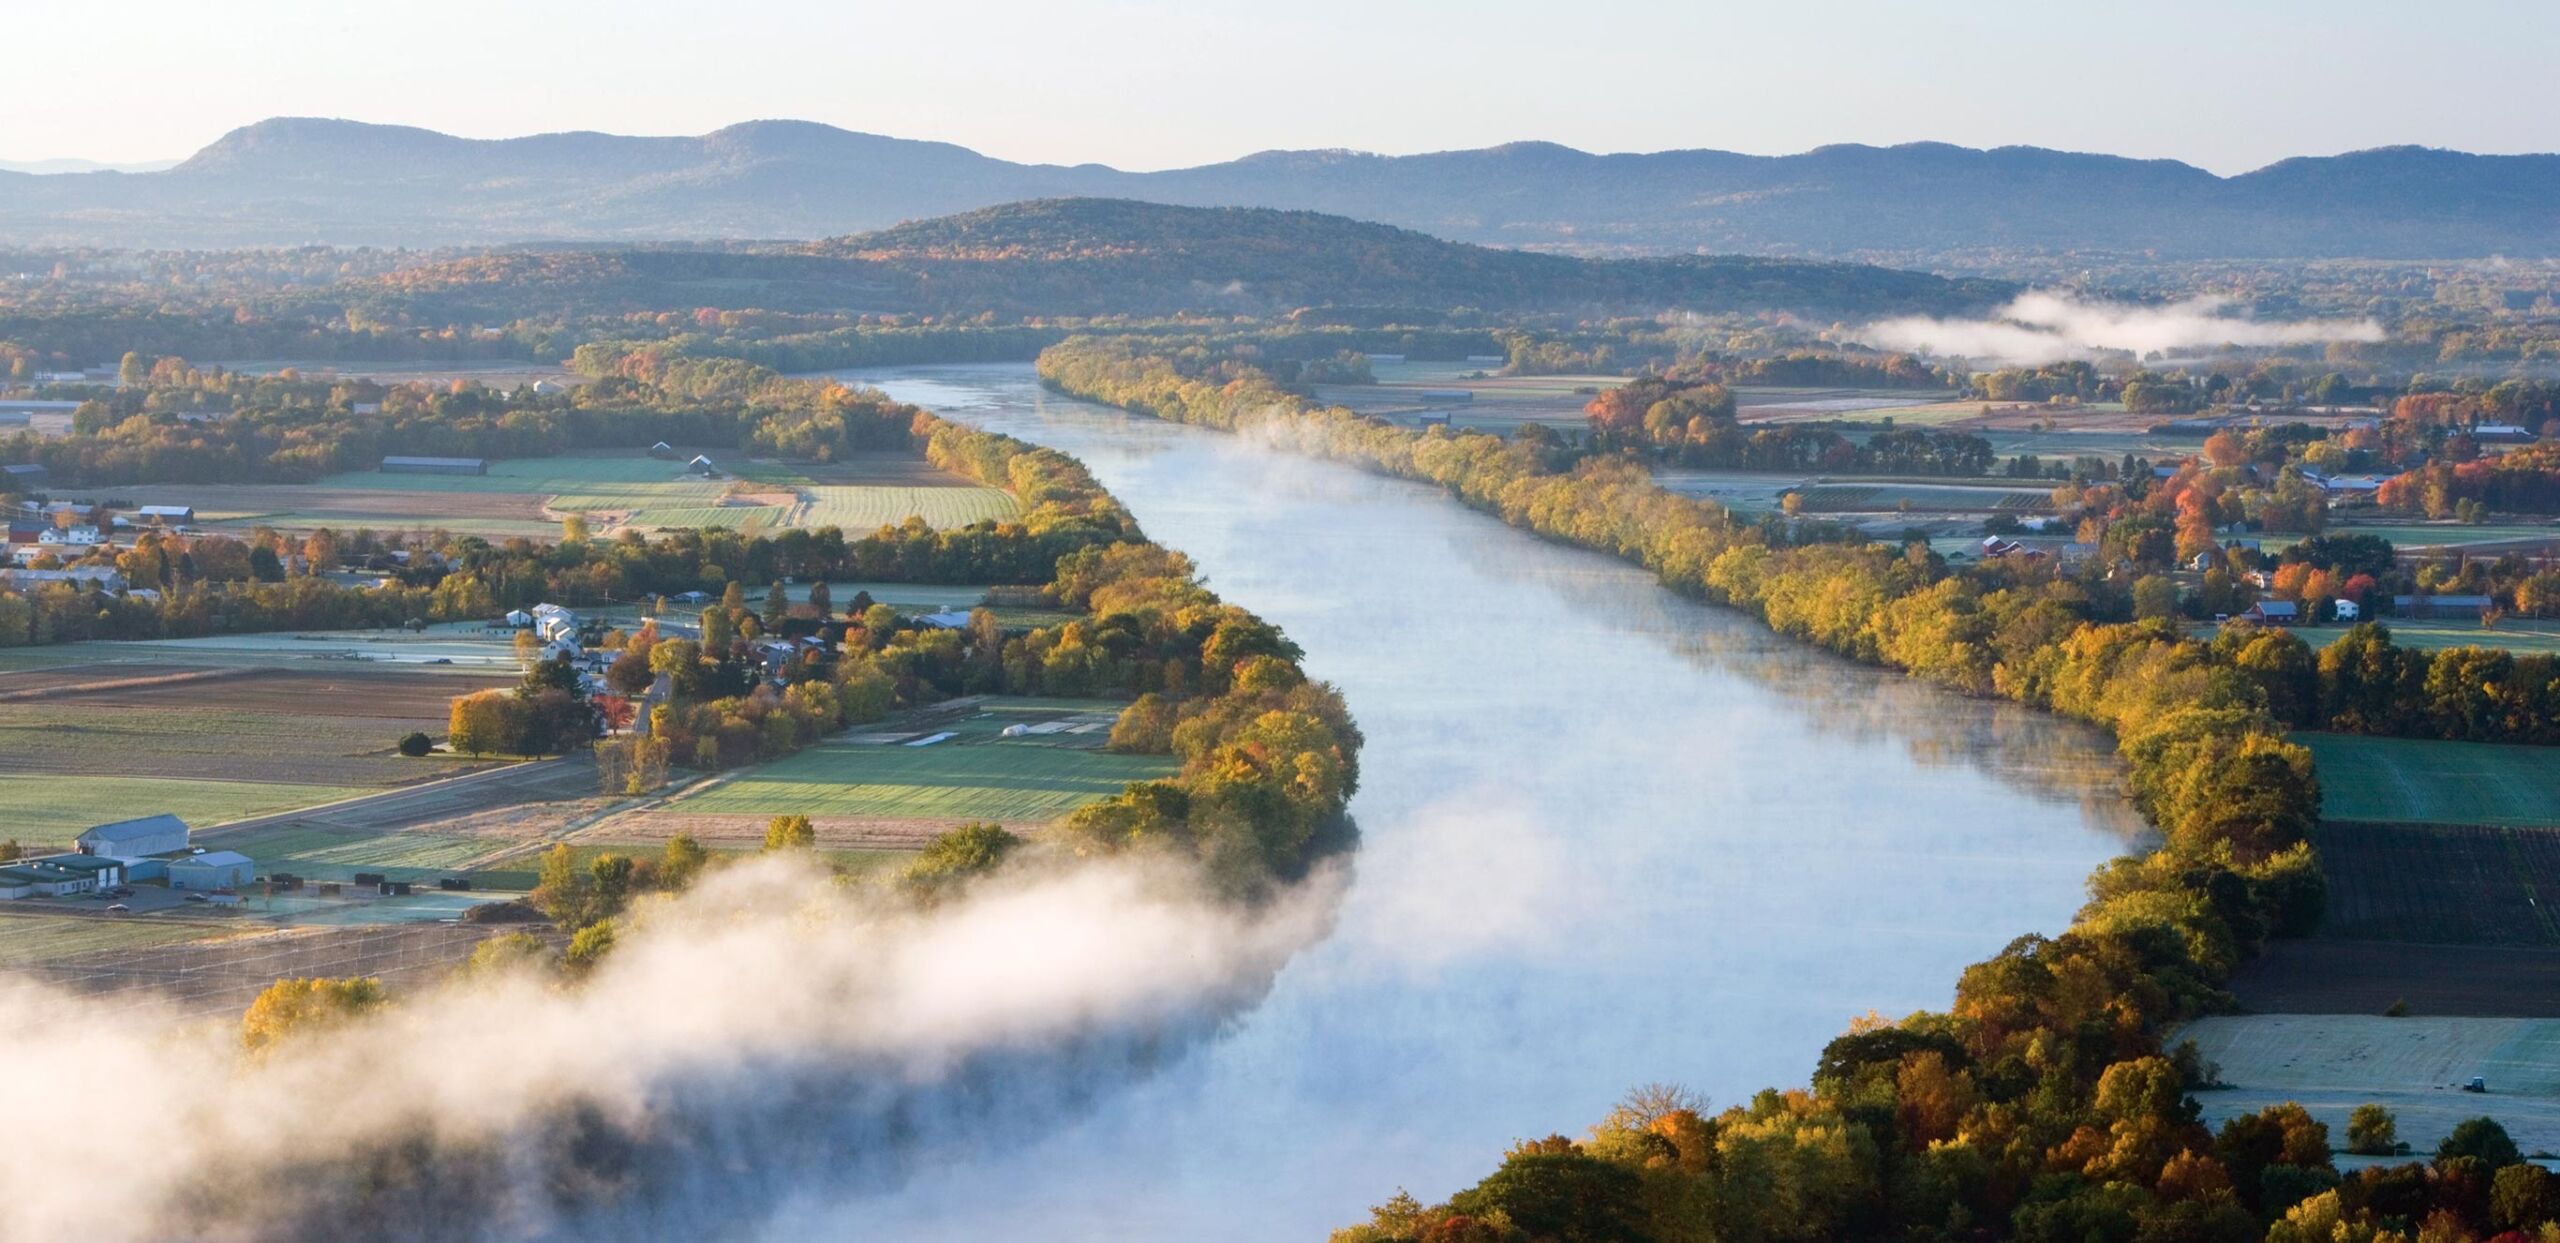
(1608, 836)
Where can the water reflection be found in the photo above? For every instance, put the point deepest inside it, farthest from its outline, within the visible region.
(1609, 835)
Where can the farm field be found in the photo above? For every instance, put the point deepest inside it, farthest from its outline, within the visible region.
(634, 489)
(2523, 636)
(2434, 782)
(1009, 782)
(2440, 884)
(529, 496)
(1500, 403)
(2334, 975)
(34, 937)
(1832, 496)
(50, 809)
(329, 854)
(86, 742)
(2331, 1063)
(216, 978)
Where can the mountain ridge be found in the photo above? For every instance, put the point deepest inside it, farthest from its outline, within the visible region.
(292, 180)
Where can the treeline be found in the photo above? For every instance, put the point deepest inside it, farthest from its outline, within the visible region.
(2043, 1103)
(178, 423)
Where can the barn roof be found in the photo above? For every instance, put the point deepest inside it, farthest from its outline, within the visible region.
(142, 826)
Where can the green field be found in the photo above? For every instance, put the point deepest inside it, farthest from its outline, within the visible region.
(1010, 782)
(54, 808)
(1859, 495)
(2443, 534)
(2522, 636)
(648, 493)
(34, 938)
(2432, 782)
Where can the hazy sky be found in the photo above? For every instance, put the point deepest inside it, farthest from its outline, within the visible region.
(1156, 83)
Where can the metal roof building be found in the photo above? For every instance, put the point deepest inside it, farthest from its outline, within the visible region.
(133, 839)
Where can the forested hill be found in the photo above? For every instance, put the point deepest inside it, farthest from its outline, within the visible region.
(1116, 257)
(294, 180)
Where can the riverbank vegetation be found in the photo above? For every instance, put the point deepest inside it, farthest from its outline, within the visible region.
(2043, 1103)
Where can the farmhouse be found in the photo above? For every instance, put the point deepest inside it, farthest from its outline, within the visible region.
(435, 466)
(2273, 613)
(81, 535)
(214, 869)
(134, 839)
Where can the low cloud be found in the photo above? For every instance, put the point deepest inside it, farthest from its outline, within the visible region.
(765, 1033)
(2044, 326)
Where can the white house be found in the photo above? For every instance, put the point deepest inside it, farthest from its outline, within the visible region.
(2346, 610)
(82, 535)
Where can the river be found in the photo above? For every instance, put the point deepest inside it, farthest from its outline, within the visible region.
(1609, 836)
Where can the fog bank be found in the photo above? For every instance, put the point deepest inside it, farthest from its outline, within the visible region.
(2043, 326)
(768, 1030)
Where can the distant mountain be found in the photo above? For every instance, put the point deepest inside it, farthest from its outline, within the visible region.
(1056, 257)
(297, 180)
(83, 166)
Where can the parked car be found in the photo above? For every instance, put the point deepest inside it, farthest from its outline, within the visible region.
(118, 909)
(197, 897)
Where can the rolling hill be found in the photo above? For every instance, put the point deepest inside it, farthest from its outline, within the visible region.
(1117, 256)
(296, 180)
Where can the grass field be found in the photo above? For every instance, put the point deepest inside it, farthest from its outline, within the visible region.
(1009, 782)
(2518, 635)
(2446, 534)
(638, 490)
(2426, 781)
(55, 807)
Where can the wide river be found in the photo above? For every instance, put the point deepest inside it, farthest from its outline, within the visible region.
(1609, 836)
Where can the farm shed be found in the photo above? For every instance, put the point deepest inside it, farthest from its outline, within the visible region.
(2273, 613)
(435, 466)
(214, 869)
(1446, 394)
(27, 475)
(663, 450)
(948, 619)
(700, 465)
(168, 515)
(133, 839)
